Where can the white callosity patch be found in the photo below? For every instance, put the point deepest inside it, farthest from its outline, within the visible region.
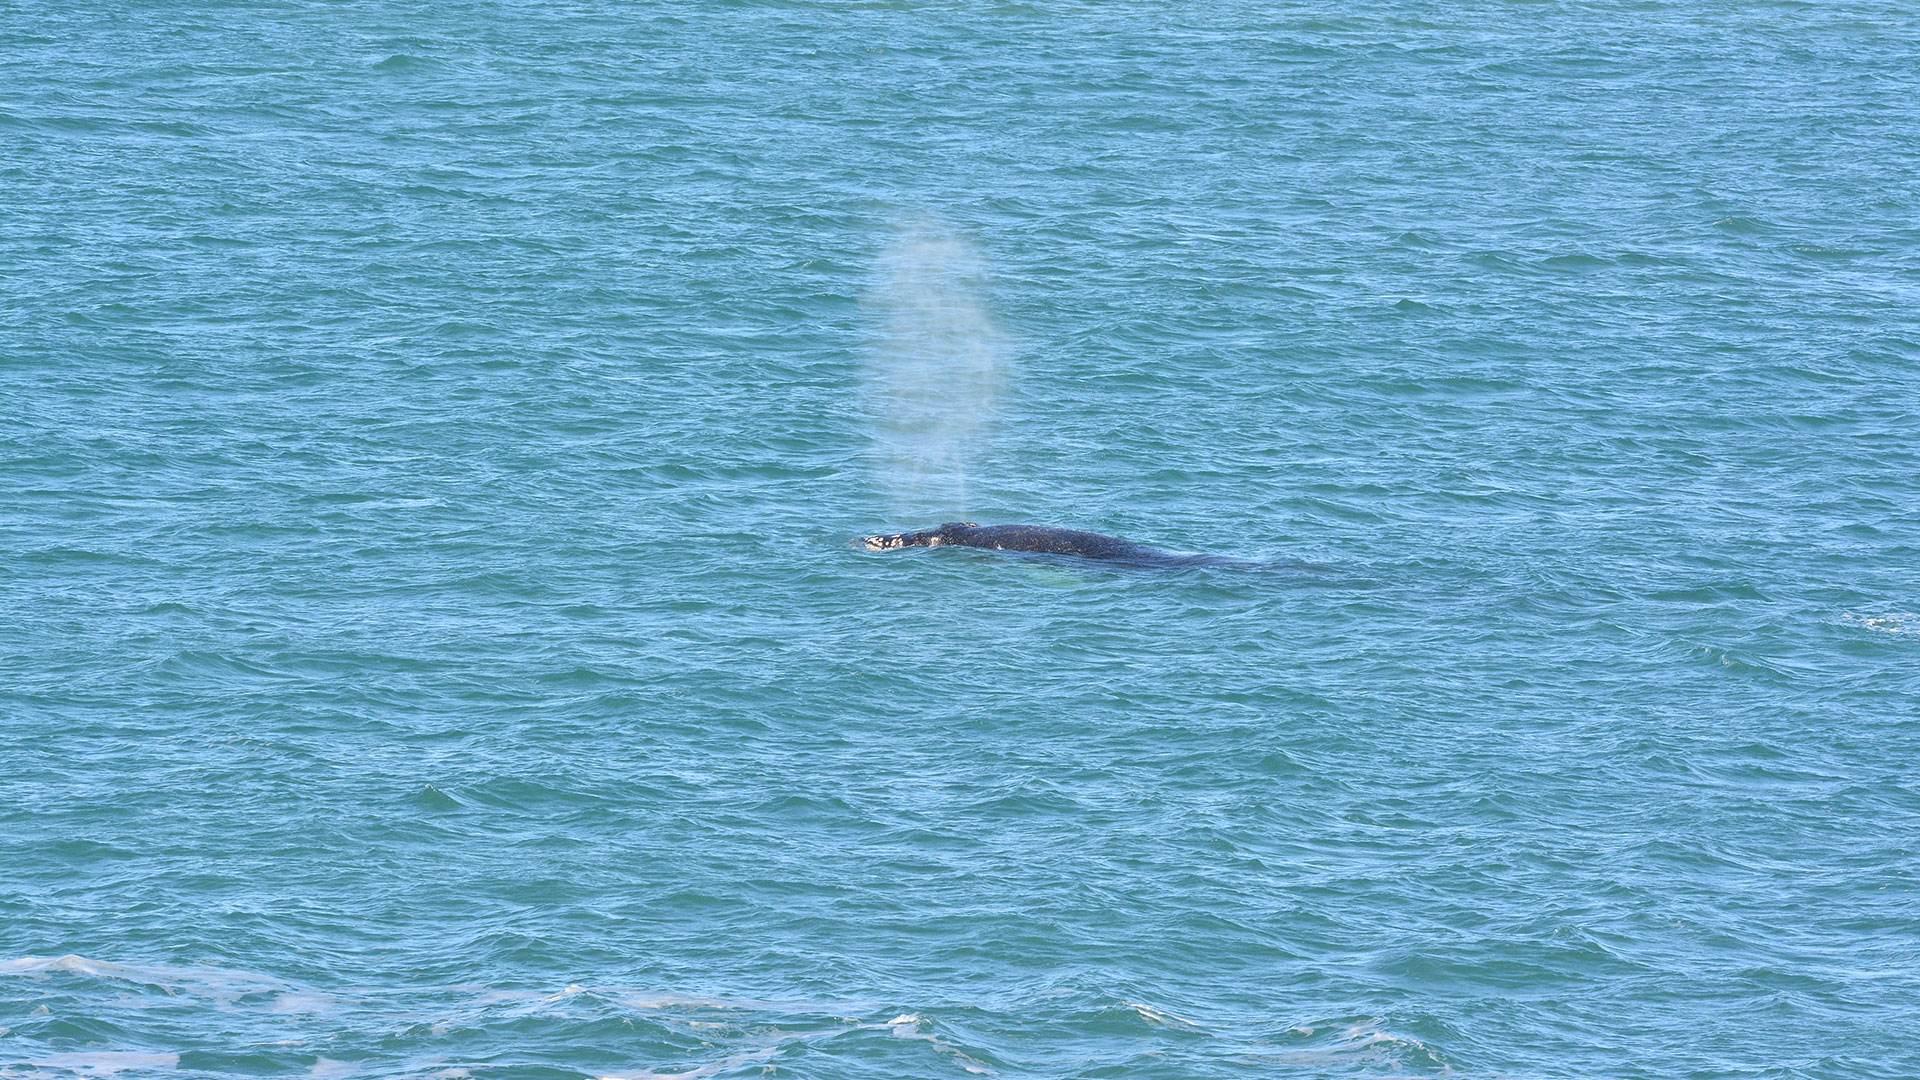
(897, 540)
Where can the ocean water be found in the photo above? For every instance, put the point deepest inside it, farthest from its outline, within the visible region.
(430, 434)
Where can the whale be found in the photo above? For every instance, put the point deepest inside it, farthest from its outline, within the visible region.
(1045, 539)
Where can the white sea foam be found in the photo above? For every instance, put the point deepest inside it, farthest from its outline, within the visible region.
(205, 979)
(731, 1061)
(769, 1042)
(1159, 1018)
(300, 1002)
(106, 1062)
(70, 962)
(753, 1031)
(1364, 1040)
(907, 1026)
(1892, 622)
(654, 1001)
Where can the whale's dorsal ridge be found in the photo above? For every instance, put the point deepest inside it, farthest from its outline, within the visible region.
(1039, 538)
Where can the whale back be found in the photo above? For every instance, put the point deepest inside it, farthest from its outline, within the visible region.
(1089, 545)
(1042, 538)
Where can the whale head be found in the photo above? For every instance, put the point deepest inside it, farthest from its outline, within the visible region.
(943, 534)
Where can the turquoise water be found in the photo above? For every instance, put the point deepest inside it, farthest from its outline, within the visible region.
(429, 648)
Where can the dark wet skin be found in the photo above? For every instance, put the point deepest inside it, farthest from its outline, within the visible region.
(1086, 545)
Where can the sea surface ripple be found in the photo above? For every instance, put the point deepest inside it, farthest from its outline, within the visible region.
(429, 436)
